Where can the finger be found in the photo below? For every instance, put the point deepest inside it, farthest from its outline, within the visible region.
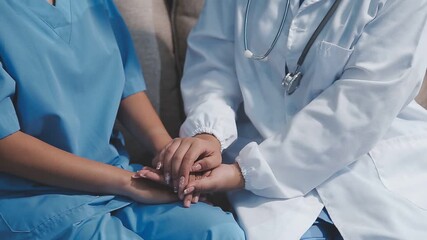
(195, 198)
(154, 177)
(166, 159)
(191, 187)
(141, 173)
(196, 195)
(207, 163)
(193, 153)
(191, 178)
(180, 181)
(151, 169)
(187, 200)
(157, 160)
(157, 164)
(197, 149)
(204, 185)
(150, 174)
(189, 190)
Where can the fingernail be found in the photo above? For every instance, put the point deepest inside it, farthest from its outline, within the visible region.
(167, 178)
(187, 203)
(159, 165)
(196, 199)
(136, 175)
(181, 182)
(188, 190)
(196, 167)
(175, 189)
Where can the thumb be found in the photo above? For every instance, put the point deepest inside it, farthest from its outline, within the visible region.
(205, 164)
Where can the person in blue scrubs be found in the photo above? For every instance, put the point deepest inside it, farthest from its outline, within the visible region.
(67, 70)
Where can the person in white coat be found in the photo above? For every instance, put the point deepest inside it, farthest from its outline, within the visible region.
(348, 140)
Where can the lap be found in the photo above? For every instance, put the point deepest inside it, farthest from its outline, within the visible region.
(101, 227)
(164, 221)
(172, 221)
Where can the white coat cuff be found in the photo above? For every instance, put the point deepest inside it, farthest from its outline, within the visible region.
(256, 172)
(225, 133)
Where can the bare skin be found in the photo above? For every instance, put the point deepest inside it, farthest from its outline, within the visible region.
(202, 155)
(175, 164)
(25, 156)
(179, 158)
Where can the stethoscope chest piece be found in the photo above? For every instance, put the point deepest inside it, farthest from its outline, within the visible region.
(291, 82)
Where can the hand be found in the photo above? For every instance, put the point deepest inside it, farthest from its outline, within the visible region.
(190, 198)
(151, 174)
(223, 178)
(156, 176)
(185, 155)
(144, 191)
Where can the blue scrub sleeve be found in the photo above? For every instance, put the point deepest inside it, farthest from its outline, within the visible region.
(134, 79)
(8, 120)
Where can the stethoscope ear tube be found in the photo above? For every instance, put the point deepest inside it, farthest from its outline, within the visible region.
(248, 53)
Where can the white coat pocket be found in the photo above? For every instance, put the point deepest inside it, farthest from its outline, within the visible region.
(401, 163)
(330, 63)
(322, 67)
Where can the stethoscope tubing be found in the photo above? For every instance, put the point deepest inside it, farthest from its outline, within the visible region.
(317, 32)
(292, 80)
(276, 38)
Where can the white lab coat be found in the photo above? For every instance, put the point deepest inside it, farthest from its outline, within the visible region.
(350, 138)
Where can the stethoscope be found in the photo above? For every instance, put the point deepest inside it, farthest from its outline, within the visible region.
(292, 80)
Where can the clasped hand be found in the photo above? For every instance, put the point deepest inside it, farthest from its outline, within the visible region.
(191, 166)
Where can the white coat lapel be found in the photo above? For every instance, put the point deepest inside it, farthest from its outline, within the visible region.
(303, 26)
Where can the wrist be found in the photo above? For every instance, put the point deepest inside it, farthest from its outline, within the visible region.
(123, 186)
(240, 180)
(211, 138)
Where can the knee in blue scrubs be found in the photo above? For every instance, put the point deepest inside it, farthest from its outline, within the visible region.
(172, 221)
(165, 221)
(100, 227)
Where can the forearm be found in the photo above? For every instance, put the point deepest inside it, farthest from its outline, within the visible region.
(139, 117)
(25, 156)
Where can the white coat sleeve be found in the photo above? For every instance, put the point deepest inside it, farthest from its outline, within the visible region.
(209, 86)
(344, 122)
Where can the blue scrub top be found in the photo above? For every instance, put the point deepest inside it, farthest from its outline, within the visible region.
(63, 71)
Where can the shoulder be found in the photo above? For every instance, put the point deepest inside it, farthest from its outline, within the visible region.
(109, 6)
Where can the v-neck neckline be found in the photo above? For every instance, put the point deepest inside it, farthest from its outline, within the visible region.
(57, 17)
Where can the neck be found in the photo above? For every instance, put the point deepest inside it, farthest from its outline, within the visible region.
(51, 2)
